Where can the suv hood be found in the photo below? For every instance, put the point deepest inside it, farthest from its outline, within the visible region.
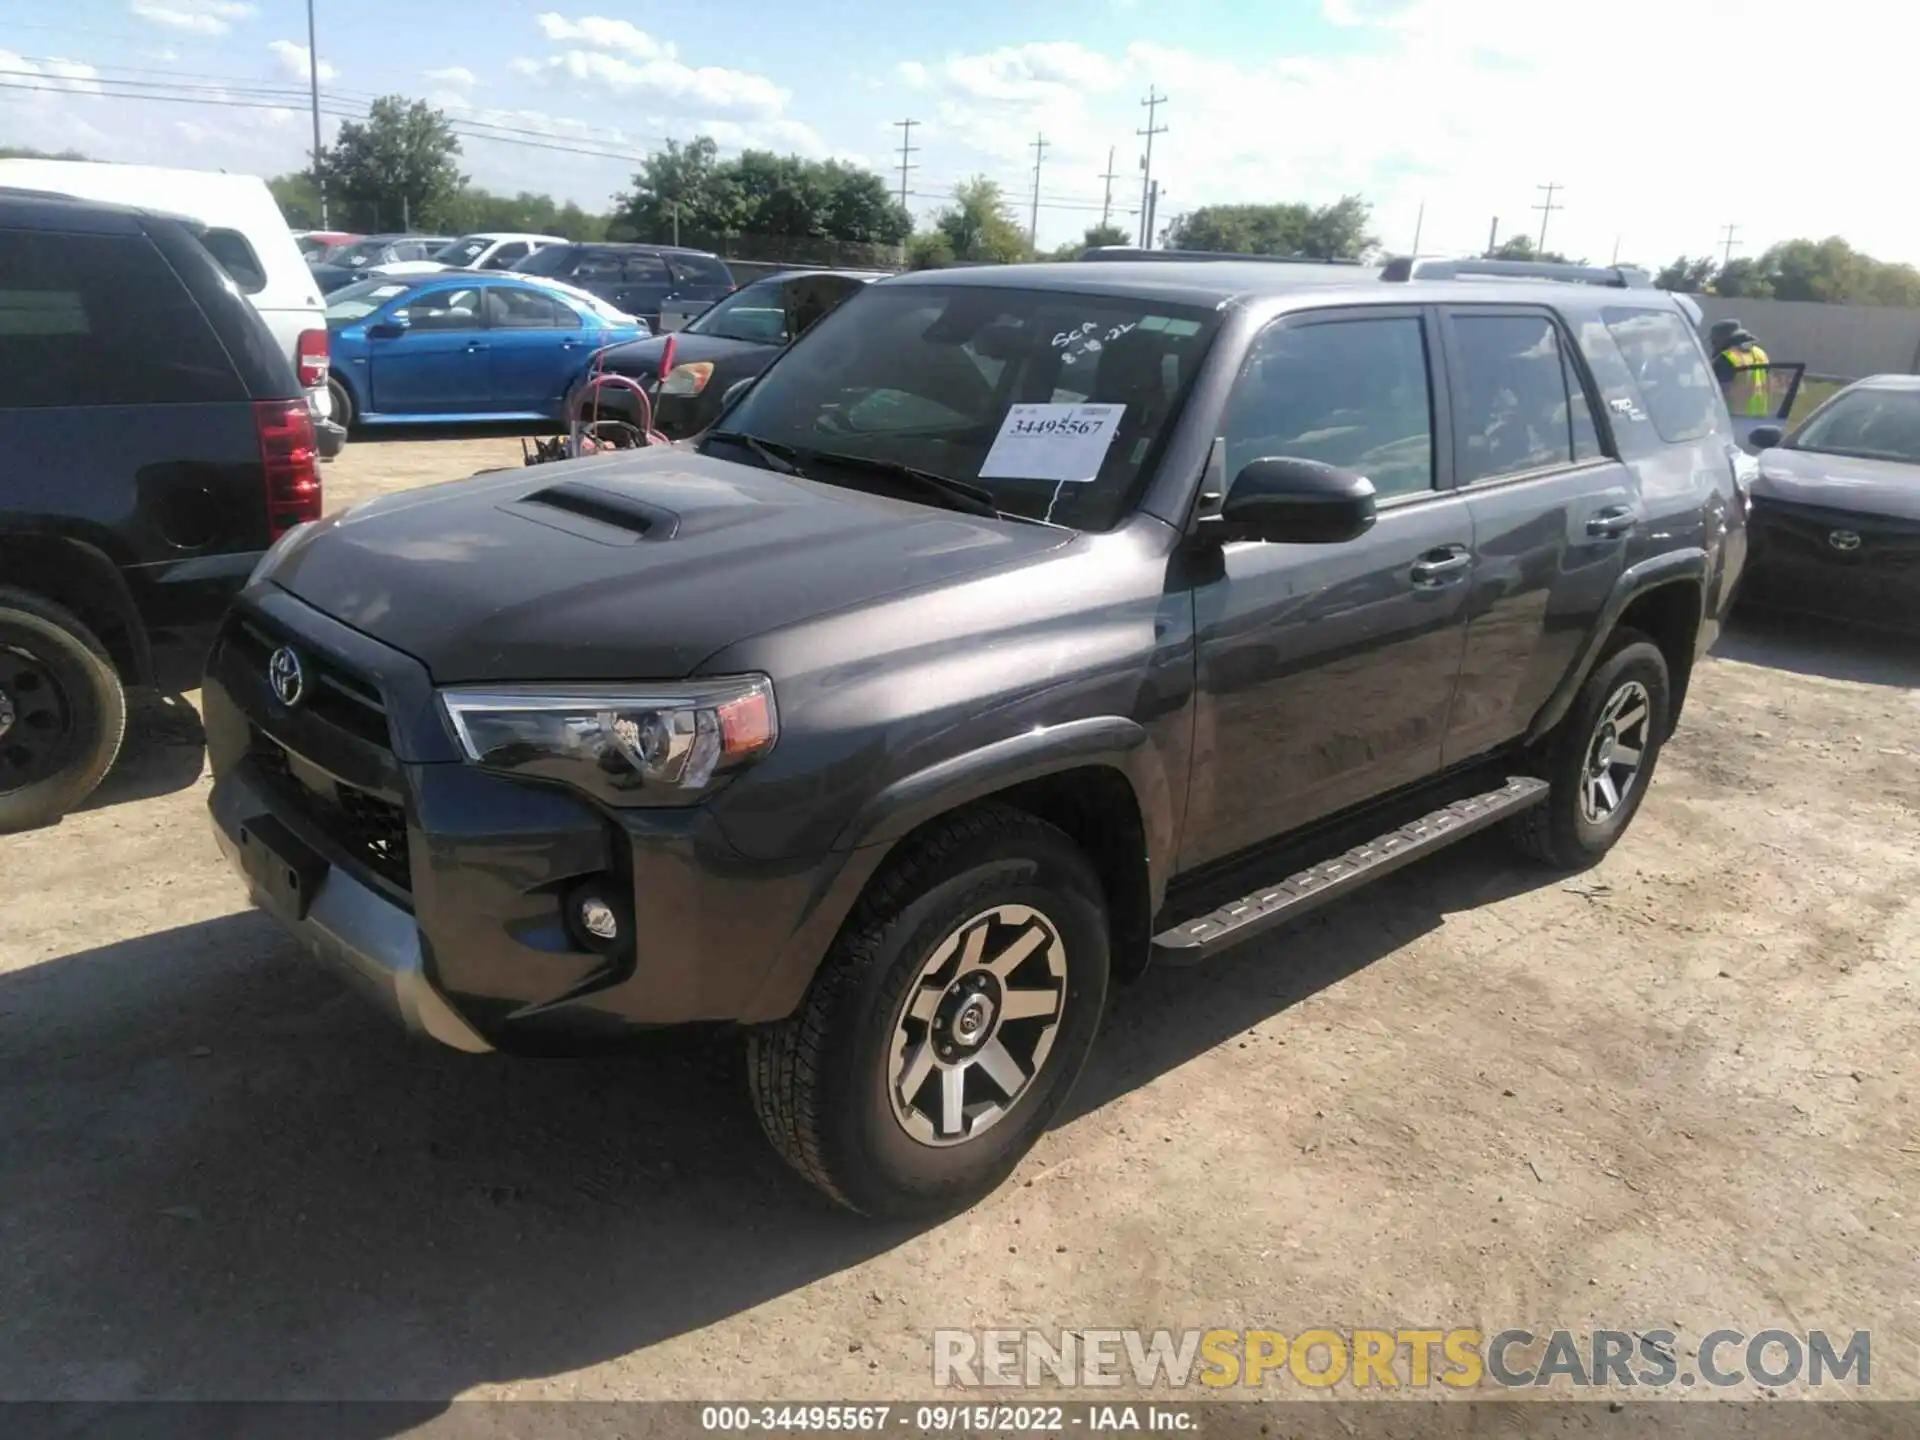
(1840, 482)
(624, 567)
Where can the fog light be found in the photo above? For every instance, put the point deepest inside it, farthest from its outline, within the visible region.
(597, 918)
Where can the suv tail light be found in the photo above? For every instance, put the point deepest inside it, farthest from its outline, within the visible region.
(292, 463)
(310, 358)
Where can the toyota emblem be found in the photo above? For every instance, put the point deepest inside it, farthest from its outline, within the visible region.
(289, 681)
(1844, 540)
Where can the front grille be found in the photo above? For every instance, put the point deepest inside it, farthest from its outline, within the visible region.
(370, 830)
(334, 693)
(1805, 533)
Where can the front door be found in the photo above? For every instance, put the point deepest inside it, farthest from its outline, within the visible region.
(1326, 671)
(1552, 515)
(438, 364)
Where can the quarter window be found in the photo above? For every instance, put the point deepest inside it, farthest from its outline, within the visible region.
(1521, 406)
(1675, 385)
(1352, 393)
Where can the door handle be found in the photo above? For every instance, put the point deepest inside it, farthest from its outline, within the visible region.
(1612, 522)
(1434, 567)
(473, 345)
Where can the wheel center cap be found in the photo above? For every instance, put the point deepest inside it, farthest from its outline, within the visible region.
(970, 1022)
(1603, 750)
(7, 714)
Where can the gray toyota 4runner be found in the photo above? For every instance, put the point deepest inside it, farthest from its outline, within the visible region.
(1017, 627)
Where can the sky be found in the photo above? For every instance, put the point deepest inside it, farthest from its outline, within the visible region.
(1659, 122)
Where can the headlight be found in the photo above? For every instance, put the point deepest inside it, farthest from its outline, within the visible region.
(625, 744)
(687, 379)
(264, 565)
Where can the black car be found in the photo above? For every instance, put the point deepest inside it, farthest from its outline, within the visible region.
(1018, 624)
(350, 262)
(1836, 509)
(731, 341)
(636, 278)
(154, 440)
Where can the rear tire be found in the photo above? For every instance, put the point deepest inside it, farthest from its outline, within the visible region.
(1600, 759)
(981, 953)
(63, 711)
(343, 413)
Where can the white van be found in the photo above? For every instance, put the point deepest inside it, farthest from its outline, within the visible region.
(246, 233)
(488, 250)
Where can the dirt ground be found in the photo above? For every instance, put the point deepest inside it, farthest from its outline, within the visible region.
(1678, 1091)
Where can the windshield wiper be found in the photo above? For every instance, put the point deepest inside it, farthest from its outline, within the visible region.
(959, 495)
(772, 454)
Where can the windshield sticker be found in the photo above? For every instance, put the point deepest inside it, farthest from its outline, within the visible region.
(1067, 443)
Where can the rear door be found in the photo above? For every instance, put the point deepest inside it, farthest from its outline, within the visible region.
(644, 282)
(536, 347)
(1328, 671)
(437, 362)
(1553, 513)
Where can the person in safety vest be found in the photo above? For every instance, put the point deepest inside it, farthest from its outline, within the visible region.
(1736, 353)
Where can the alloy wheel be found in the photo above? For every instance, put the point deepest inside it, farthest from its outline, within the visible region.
(34, 721)
(1616, 752)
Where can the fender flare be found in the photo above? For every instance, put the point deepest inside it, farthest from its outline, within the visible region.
(107, 595)
(1675, 567)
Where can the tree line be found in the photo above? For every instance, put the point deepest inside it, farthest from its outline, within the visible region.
(1829, 271)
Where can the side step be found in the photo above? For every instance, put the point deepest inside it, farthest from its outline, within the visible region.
(1201, 939)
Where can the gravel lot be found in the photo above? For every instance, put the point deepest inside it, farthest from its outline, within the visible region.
(1676, 1091)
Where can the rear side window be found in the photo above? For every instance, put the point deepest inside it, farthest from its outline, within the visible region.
(1676, 388)
(700, 270)
(509, 309)
(594, 265)
(645, 269)
(236, 257)
(102, 320)
(1519, 404)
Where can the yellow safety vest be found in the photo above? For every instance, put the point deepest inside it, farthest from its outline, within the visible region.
(1759, 394)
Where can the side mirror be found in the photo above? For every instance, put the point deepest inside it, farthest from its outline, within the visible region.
(387, 330)
(1765, 437)
(1296, 502)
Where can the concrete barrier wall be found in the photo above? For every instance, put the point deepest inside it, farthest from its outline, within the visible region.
(1845, 341)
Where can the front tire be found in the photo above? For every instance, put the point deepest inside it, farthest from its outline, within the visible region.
(1600, 760)
(947, 1024)
(63, 712)
(343, 413)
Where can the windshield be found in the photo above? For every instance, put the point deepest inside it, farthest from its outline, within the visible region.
(547, 260)
(1873, 424)
(462, 253)
(757, 313)
(360, 252)
(1053, 402)
(357, 301)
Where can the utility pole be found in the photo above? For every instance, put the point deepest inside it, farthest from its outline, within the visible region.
(1033, 225)
(1616, 251)
(1546, 210)
(905, 127)
(1493, 237)
(313, 85)
(674, 205)
(1106, 205)
(1153, 102)
(1419, 224)
(1153, 211)
(1726, 250)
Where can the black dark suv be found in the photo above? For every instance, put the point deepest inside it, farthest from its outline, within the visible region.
(639, 279)
(1016, 626)
(153, 442)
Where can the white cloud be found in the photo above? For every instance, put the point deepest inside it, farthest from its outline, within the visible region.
(706, 86)
(200, 17)
(609, 34)
(453, 75)
(47, 76)
(294, 59)
(912, 72)
(1467, 105)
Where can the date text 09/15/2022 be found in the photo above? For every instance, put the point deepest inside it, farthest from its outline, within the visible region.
(1086, 1418)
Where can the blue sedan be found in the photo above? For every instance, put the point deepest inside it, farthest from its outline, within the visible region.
(432, 348)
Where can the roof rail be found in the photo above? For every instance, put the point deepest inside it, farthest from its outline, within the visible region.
(1619, 277)
(1130, 252)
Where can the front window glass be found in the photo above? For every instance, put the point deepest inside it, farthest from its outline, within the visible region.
(926, 375)
(358, 255)
(443, 310)
(757, 313)
(1872, 424)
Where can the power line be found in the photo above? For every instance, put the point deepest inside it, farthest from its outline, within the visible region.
(1039, 154)
(905, 128)
(1153, 102)
(1546, 209)
(1106, 204)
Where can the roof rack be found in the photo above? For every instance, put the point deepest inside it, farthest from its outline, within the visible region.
(1129, 252)
(1619, 277)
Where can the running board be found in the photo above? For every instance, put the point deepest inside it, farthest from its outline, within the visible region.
(1201, 939)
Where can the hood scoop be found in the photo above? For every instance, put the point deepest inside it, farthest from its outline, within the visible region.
(606, 517)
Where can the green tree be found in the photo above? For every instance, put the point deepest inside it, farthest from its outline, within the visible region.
(677, 183)
(978, 226)
(758, 193)
(27, 152)
(298, 198)
(1521, 247)
(930, 250)
(1104, 234)
(1743, 277)
(397, 167)
(1325, 232)
(1694, 276)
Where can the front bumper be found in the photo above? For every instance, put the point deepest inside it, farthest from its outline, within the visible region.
(449, 889)
(365, 937)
